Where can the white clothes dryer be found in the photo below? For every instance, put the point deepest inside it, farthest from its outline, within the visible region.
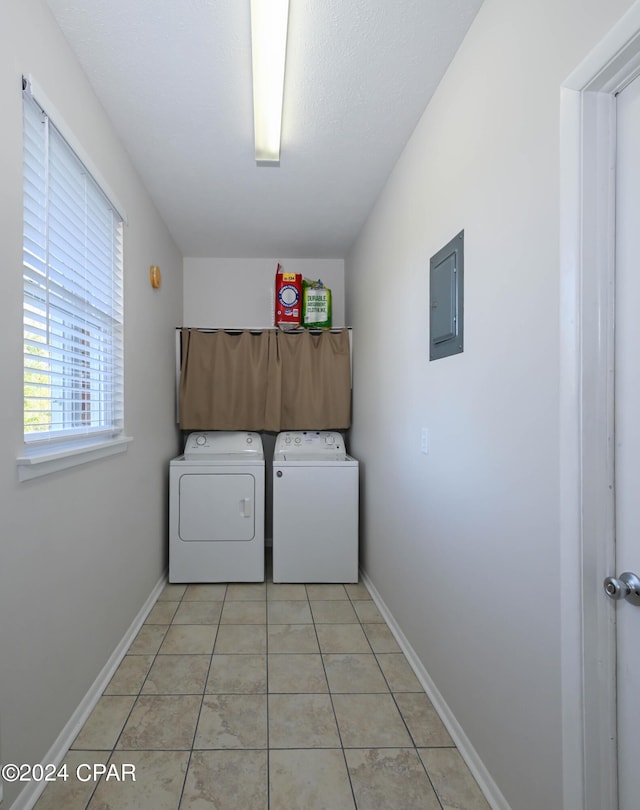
(315, 508)
(216, 509)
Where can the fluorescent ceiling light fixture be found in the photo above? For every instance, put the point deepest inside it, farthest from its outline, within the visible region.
(269, 21)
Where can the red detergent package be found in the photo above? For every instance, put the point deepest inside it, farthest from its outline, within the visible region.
(288, 299)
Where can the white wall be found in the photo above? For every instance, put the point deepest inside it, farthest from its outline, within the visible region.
(463, 543)
(240, 292)
(80, 550)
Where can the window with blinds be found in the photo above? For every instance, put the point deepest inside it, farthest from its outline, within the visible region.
(73, 311)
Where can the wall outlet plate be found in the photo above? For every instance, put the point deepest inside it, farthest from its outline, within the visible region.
(424, 441)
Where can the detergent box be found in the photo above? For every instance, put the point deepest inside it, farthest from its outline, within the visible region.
(288, 299)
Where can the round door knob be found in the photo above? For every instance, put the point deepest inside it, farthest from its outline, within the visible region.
(627, 586)
(614, 588)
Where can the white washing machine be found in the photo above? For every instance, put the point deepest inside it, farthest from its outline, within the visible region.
(315, 508)
(216, 509)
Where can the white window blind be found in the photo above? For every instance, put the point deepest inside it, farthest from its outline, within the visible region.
(73, 309)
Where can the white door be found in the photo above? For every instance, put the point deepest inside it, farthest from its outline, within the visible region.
(216, 507)
(627, 437)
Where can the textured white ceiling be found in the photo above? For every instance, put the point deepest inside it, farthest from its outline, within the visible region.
(175, 79)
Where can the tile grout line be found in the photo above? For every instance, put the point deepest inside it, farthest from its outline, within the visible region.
(335, 716)
(188, 763)
(204, 691)
(411, 737)
(112, 751)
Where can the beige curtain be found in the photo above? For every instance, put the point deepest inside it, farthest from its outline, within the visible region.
(269, 380)
(225, 381)
(316, 380)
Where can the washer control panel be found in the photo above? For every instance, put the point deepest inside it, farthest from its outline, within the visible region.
(327, 445)
(223, 443)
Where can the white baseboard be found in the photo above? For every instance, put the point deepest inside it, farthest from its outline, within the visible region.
(482, 776)
(32, 790)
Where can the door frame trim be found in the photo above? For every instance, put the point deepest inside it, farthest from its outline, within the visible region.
(587, 317)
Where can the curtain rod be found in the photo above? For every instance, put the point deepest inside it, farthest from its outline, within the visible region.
(259, 329)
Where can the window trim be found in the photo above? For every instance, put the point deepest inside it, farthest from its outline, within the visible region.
(45, 460)
(51, 455)
(34, 89)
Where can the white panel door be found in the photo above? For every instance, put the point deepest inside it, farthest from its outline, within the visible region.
(217, 507)
(627, 436)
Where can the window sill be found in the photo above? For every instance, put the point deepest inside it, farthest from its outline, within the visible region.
(44, 461)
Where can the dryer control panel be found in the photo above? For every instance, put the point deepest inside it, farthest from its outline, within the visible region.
(223, 443)
(323, 445)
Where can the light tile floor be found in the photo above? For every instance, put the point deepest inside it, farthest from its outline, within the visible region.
(265, 697)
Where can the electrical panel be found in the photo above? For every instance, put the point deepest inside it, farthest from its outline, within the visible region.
(446, 325)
